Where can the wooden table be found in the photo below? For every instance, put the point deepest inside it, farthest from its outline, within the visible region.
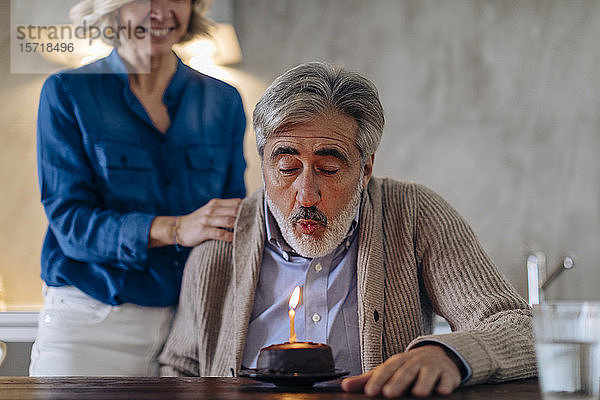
(218, 388)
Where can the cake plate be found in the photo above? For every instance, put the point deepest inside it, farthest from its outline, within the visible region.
(295, 379)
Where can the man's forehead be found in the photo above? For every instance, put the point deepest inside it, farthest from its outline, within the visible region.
(310, 141)
(304, 145)
(325, 132)
(323, 149)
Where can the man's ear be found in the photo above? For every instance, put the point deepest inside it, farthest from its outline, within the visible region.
(368, 170)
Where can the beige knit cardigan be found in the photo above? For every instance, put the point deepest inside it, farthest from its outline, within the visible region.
(416, 256)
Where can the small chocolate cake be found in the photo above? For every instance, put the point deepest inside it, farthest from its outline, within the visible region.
(305, 357)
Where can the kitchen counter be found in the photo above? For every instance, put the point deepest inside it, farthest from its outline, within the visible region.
(18, 329)
(18, 326)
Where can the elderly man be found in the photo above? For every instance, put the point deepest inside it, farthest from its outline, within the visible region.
(375, 258)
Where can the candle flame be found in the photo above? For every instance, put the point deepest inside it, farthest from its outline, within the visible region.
(295, 298)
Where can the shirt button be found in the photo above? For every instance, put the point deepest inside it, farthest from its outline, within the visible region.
(318, 267)
(316, 317)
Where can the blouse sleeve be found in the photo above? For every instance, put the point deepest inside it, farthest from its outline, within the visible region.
(85, 231)
(234, 185)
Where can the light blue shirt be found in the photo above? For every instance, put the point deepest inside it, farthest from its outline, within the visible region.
(328, 311)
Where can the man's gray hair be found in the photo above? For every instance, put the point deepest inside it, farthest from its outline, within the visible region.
(318, 89)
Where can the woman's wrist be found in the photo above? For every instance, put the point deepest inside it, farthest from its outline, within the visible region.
(175, 238)
(163, 231)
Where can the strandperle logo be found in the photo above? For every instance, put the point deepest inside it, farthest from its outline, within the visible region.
(62, 33)
(47, 36)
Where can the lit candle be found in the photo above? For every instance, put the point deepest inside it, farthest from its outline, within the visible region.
(294, 299)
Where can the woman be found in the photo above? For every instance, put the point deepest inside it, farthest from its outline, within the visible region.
(131, 150)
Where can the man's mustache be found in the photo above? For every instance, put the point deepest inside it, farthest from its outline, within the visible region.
(311, 213)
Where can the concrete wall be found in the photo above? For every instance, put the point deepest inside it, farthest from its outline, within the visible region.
(494, 104)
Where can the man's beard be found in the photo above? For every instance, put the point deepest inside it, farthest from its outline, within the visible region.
(336, 228)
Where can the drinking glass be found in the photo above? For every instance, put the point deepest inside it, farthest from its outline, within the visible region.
(568, 352)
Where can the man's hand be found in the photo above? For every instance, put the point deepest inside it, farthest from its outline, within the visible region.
(423, 369)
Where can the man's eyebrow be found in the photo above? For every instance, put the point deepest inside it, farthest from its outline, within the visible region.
(283, 150)
(333, 152)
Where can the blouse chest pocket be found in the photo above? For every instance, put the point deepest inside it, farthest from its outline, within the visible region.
(126, 171)
(207, 171)
(115, 156)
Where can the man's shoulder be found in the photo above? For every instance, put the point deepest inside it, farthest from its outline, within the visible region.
(252, 204)
(400, 199)
(391, 182)
(217, 252)
(390, 189)
(393, 188)
(209, 254)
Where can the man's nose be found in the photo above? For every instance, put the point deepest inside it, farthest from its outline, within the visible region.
(308, 192)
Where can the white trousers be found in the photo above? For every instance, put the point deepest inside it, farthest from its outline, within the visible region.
(81, 336)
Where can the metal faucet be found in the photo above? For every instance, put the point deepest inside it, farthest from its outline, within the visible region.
(537, 281)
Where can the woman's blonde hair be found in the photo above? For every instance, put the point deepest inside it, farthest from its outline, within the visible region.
(102, 14)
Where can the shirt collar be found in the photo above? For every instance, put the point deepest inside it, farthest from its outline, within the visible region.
(276, 240)
(178, 83)
(116, 66)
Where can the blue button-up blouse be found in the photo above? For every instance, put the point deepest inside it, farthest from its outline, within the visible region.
(105, 172)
